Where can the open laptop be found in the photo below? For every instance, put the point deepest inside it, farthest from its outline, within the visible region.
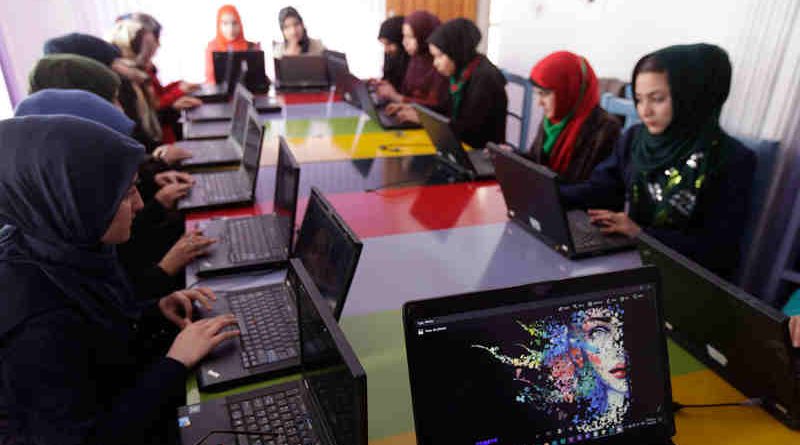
(256, 242)
(474, 164)
(225, 111)
(337, 65)
(329, 252)
(230, 68)
(358, 92)
(581, 361)
(301, 73)
(229, 187)
(737, 335)
(534, 202)
(328, 405)
(210, 152)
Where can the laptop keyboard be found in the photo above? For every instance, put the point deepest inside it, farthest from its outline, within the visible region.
(254, 239)
(224, 187)
(268, 325)
(282, 414)
(586, 235)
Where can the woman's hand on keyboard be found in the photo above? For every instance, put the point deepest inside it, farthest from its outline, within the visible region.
(198, 338)
(168, 195)
(190, 246)
(177, 306)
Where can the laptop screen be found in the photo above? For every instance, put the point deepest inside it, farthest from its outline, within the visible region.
(252, 142)
(331, 371)
(448, 146)
(555, 368)
(303, 70)
(329, 251)
(287, 180)
(241, 103)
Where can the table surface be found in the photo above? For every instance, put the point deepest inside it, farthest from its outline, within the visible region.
(432, 236)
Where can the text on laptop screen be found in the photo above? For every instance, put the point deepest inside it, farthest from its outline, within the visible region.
(559, 370)
(329, 380)
(252, 143)
(326, 251)
(239, 121)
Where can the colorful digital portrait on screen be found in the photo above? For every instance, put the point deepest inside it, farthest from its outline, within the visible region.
(571, 367)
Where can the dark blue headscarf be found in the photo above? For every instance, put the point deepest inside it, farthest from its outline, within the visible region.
(62, 180)
(77, 103)
(83, 45)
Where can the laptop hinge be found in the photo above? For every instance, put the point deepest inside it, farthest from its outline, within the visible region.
(318, 414)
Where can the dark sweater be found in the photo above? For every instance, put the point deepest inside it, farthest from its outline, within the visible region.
(68, 380)
(482, 116)
(713, 235)
(595, 142)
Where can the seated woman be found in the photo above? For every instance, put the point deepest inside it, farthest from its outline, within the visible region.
(83, 361)
(422, 84)
(156, 252)
(295, 36)
(685, 181)
(395, 57)
(477, 102)
(230, 37)
(575, 134)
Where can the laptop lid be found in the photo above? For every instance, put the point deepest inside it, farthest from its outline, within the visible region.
(335, 380)
(242, 101)
(532, 197)
(287, 183)
(581, 360)
(253, 141)
(448, 146)
(738, 336)
(241, 66)
(337, 65)
(302, 71)
(329, 250)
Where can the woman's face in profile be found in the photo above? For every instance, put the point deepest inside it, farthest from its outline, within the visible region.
(602, 334)
(229, 27)
(409, 41)
(653, 101)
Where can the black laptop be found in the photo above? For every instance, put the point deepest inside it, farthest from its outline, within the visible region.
(230, 68)
(301, 73)
(474, 163)
(225, 111)
(577, 361)
(328, 405)
(356, 91)
(256, 242)
(329, 252)
(534, 202)
(737, 335)
(337, 65)
(211, 152)
(230, 187)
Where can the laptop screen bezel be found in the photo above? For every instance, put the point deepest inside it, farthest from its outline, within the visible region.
(287, 160)
(252, 170)
(240, 93)
(342, 345)
(294, 71)
(449, 305)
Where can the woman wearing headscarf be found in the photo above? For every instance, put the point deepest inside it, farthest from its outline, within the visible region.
(158, 249)
(684, 180)
(230, 37)
(82, 361)
(71, 71)
(395, 57)
(295, 36)
(576, 133)
(422, 84)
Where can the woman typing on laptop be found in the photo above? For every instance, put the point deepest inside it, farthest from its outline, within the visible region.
(682, 178)
(83, 362)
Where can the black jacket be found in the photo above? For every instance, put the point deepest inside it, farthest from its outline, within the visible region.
(482, 115)
(69, 380)
(713, 236)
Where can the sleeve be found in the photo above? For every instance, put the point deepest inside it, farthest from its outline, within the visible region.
(169, 94)
(435, 97)
(151, 281)
(714, 239)
(605, 188)
(52, 380)
(470, 120)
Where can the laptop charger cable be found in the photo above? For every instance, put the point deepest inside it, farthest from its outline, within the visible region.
(756, 401)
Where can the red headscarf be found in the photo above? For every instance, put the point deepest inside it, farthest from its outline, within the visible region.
(574, 83)
(221, 43)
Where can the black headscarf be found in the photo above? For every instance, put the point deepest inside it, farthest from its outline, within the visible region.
(62, 180)
(394, 66)
(83, 45)
(459, 39)
(287, 12)
(71, 71)
(672, 167)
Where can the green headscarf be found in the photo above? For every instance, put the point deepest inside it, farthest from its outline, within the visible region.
(671, 168)
(71, 71)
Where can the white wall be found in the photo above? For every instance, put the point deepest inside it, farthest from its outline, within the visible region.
(350, 25)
